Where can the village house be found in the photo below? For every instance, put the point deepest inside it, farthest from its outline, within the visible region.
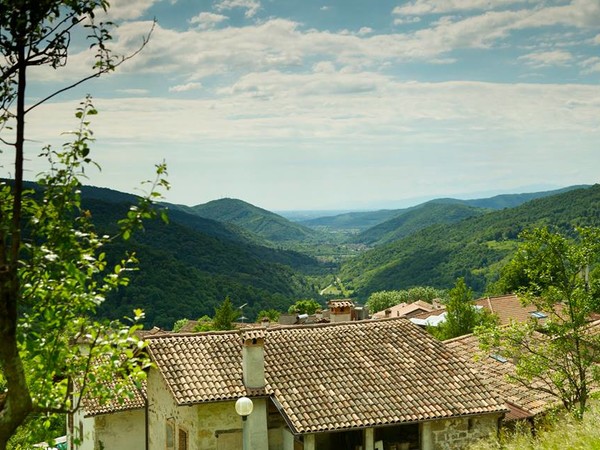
(117, 424)
(406, 309)
(524, 402)
(367, 384)
(506, 308)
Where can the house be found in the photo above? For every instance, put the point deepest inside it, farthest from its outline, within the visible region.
(119, 423)
(524, 402)
(509, 308)
(349, 385)
(405, 310)
(506, 307)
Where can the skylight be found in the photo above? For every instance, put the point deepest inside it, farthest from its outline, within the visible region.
(538, 315)
(498, 357)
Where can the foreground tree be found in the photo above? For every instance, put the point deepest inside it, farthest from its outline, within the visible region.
(461, 315)
(560, 278)
(53, 273)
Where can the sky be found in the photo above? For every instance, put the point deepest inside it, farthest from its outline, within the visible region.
(338, 104)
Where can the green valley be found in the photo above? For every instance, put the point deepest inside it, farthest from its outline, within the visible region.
(229, 248)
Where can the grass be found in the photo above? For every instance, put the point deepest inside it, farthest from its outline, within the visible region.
(560, 432)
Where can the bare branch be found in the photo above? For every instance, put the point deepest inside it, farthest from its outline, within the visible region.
(102, 71)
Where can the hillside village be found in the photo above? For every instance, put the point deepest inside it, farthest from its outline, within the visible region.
(336, 375)
(340, 374)
(444, 293)
(336, 379)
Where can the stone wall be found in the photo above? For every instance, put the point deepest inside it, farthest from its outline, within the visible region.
(454, 434)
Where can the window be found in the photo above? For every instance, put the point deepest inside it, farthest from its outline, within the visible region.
(170, 435)
(539, 315)
(182, 440)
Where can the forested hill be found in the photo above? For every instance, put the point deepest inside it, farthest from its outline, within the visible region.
(416, 219)
(187, 267)
(261, 222)
(475, 248)
(362, 221)
(509, 200)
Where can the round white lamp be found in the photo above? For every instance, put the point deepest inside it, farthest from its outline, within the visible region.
(244, 406)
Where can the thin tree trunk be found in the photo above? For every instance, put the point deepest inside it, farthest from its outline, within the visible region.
(17, 403)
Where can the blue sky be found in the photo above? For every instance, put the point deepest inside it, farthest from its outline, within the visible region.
(341, 104)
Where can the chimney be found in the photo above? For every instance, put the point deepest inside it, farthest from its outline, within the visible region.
(253, 359)
(388, 313)
(319, 315)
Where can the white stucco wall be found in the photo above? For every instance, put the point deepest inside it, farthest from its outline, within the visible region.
(123, 430)
(204, 423)
(81, 423)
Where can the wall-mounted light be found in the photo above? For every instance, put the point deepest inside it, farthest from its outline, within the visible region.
(244, 406)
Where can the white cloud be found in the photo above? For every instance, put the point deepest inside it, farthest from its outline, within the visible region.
(550, 58)
(324, 8)
(405, 20)
(324, 67)
(596, 40)
(206, 20)
(279, 44)
(185, 87)
(422, 7)
(346, 124)
(134, 91)
(129, 9)
(364, 31)
(251, 6)
(591, 65)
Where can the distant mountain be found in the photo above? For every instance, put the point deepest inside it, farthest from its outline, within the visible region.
(355, 221)
(261, 222)
(474, 248)
(509, 200)
(361, 221)
(416, 219)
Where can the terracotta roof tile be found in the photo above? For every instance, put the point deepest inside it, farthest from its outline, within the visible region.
(507, 308)
(495, 374)
(200, 367)
(328, 377)
(136, 399)
(406, 309)
(340, 303)
(92, 407)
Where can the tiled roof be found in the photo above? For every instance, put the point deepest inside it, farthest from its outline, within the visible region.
(507, 308)
(330, 377)
(495, 371)
(340, 303)
(405, 309)
(200, 367)
(92, 407)
(135, 400)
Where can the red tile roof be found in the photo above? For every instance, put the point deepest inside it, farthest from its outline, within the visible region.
(405, 309)
(507, 308)
(523, 401)
(334, 376)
